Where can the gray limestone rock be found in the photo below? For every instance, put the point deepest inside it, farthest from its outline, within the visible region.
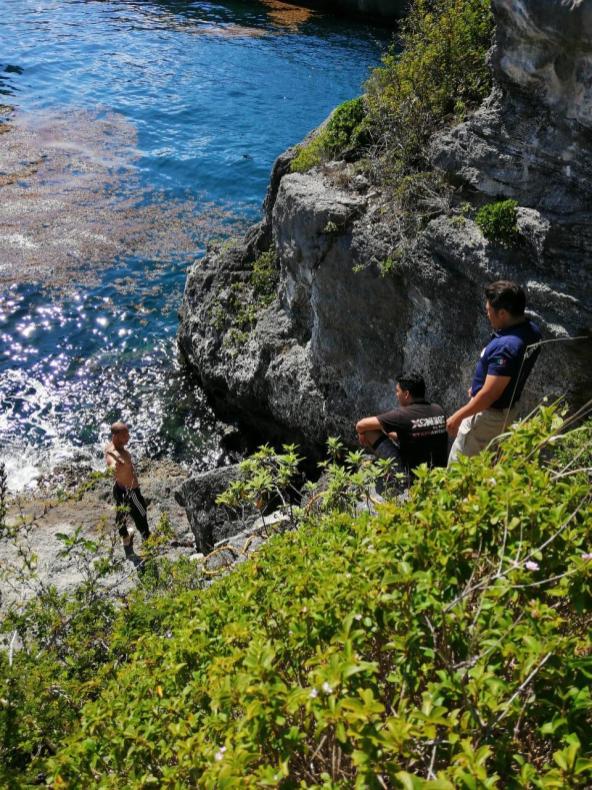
(209, 522)
(309, 365)
(33, 557)
(545, 48)
(326, 350)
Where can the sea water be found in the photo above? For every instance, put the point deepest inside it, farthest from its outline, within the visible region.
(136, 132)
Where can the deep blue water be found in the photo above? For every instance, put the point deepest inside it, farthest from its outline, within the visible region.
(204, 97)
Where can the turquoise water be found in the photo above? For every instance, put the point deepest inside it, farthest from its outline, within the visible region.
(172, 114)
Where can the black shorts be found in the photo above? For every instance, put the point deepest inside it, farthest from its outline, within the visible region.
(398, 479)
(130, 501)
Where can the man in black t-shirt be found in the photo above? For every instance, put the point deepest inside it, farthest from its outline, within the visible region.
(411, 435)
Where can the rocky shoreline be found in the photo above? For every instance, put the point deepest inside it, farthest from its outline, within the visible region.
(72, 499)
(77, 503)
(385, 11)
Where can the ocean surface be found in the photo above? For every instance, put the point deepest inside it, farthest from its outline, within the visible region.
(130, 134)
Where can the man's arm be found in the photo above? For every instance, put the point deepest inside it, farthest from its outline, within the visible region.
(367, 425)
(113, 459)
(492, 390)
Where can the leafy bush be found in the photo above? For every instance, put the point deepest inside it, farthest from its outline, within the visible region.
(61, 647)
(443, 643)
(498, 221)
(573, 451)
(272, 479)
(435, 74)
(265, 477)
(345, 129)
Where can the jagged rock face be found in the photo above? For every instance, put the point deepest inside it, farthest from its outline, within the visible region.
(351, 322)
(545, 47)
(374, 9)
(327, 350)
(531, 141)
(310, 366)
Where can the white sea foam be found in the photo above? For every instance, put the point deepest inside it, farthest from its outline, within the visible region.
(21, 474)
(25, 466)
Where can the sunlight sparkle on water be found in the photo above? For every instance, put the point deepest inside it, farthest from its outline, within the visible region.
(149, 133)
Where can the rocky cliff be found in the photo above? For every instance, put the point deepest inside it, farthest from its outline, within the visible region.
(324, 351)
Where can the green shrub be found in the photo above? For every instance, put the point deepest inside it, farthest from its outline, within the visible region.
(331, 227)
(497, 221)
(267, 479)
(388, 266)
(444, 643)
(219, 317)
(249, 299)
(308, 156)
(59, 648)
(435, 74)
(345, 129)
(56, 667)
(264, 277)
(268, 476)
(239, 312)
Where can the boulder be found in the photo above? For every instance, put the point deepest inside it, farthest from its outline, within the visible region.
(210, 522)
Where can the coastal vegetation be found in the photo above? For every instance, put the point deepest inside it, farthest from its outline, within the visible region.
(439, 641)
(443, 642)
(237, 311)
(497, 221)
(264, 277)
(434, 75)
(346, 130)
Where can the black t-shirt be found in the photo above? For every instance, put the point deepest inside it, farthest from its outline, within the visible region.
(421, 428)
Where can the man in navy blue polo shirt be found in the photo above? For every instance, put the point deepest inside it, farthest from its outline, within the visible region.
(500, 375)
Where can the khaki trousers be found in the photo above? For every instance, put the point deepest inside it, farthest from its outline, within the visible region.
(477, 431)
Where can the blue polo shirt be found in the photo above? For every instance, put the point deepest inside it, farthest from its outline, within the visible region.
(504, 355)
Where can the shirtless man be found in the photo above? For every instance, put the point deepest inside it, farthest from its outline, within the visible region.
(126, 491)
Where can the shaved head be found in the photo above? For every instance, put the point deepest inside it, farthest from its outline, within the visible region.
(118, 427)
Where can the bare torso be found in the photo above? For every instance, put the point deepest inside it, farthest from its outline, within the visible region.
(121, 462)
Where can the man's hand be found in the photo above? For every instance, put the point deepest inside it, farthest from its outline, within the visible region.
(365, 426)
(363, 440)
(491, 390)
(453, 424)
